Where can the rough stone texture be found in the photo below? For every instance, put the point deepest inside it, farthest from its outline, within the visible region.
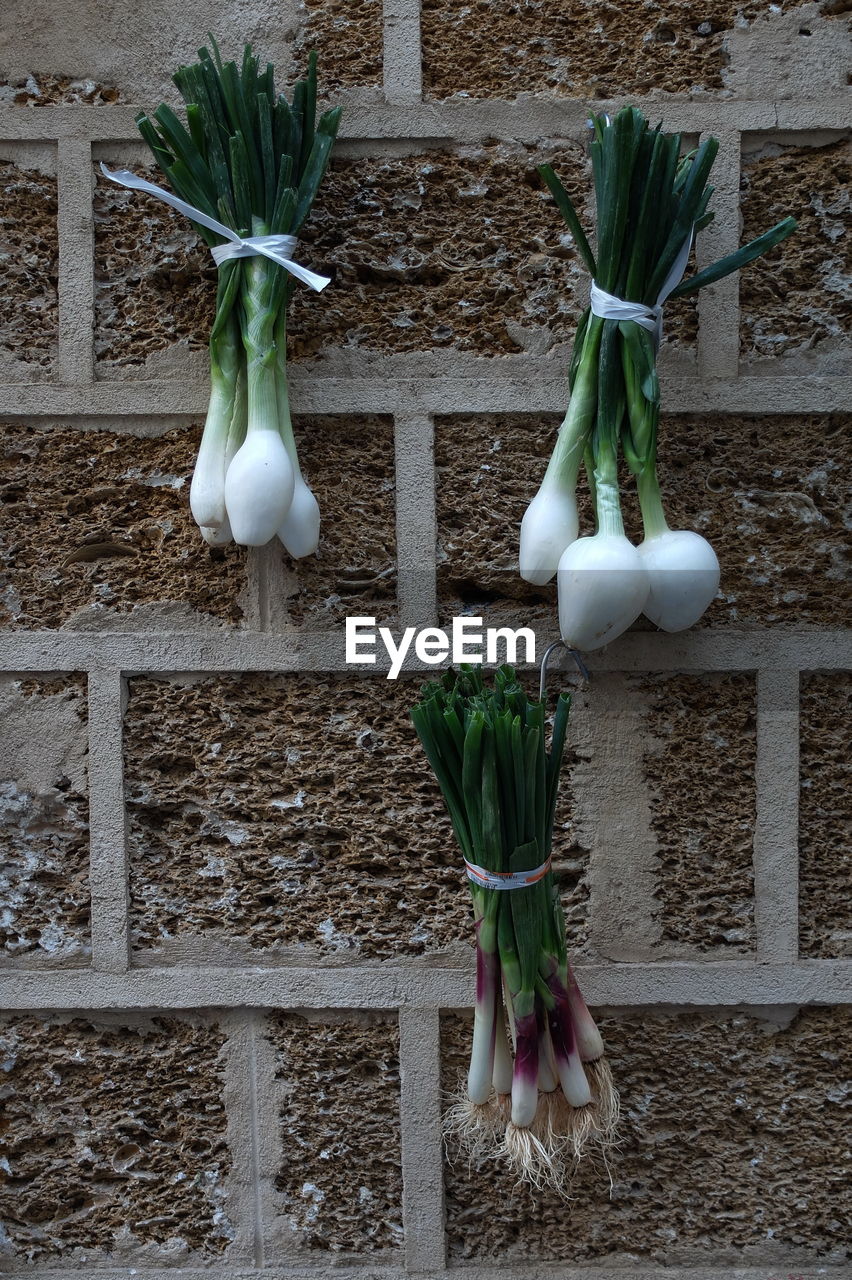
(349, 463)
(340, 1181)
(502, 48)
(797, 300)
(348, 39)
(39, 90)
(500, 276)
(114, 1142)
(487, 470)
(825, 917)
(734, 1152)
(294, 811)
(155, 282)
(29, 252)
(772, 495)
(123, 501)
(261, 811)
(44, 847)
(700, 761)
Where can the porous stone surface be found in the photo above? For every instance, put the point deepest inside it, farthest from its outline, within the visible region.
(96, 524)
(500, 276)
(155, 282)
(770, 493)
(294, 811)
(487, 471)
(772, 496)
(825, 861)
(44, 845)
(340, 1181)
(347, 35)
(114, 1142)
(29, 254)
(285, 811)
(44, 822)
(733, 1152)
(407, 277)
(699, 762)
(502, 48)
(40, 90)
(349, 463)
(796, 301)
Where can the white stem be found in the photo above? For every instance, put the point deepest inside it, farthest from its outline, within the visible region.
(502, 1074)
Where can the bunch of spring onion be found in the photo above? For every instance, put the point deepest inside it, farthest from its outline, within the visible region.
(253, 161)
(650, 203)
(540, 1104)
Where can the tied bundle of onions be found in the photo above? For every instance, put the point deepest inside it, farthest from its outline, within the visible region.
(540, 1106)
(651, 202)
(246, 169)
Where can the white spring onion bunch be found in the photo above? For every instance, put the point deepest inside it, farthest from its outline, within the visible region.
(249, 163)
(650, 204)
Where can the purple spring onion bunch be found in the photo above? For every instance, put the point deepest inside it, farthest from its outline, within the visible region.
(540, 1100)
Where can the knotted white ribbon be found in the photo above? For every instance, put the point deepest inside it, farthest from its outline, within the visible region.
(278, 248)
(650, 317)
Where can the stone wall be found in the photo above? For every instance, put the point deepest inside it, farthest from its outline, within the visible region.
(236, 972)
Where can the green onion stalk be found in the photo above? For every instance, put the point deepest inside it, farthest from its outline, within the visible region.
(542, 1103)
(651, 202)
(252, 161)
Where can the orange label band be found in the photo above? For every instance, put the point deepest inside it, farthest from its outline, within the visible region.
(505, 879)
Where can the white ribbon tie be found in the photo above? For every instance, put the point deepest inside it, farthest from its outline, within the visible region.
(650, 317)
(278, 248)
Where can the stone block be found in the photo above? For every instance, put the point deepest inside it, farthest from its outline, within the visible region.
(97, 532)
(732, 1153)
(114, 1142)
(825, 918)
(44, 821)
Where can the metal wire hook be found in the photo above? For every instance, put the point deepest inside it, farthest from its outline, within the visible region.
(578, 662)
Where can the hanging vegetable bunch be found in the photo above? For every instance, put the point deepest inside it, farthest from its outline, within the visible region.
(651, 201)
(540, 1109)
(246, 169)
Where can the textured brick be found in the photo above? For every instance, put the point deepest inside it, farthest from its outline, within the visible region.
(487, 470)
(44, 844)
(287, 811)
(29, 252)
(700, 762)
(502, 48)
(347, 35)
(114, 1142)
(293, 811)
(63, 491)
(155, 282)
(340, 1181)
(797, 300)
(501, 275)
(349, 463)
(772, 495)
(825, 873)
(734, 1152)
